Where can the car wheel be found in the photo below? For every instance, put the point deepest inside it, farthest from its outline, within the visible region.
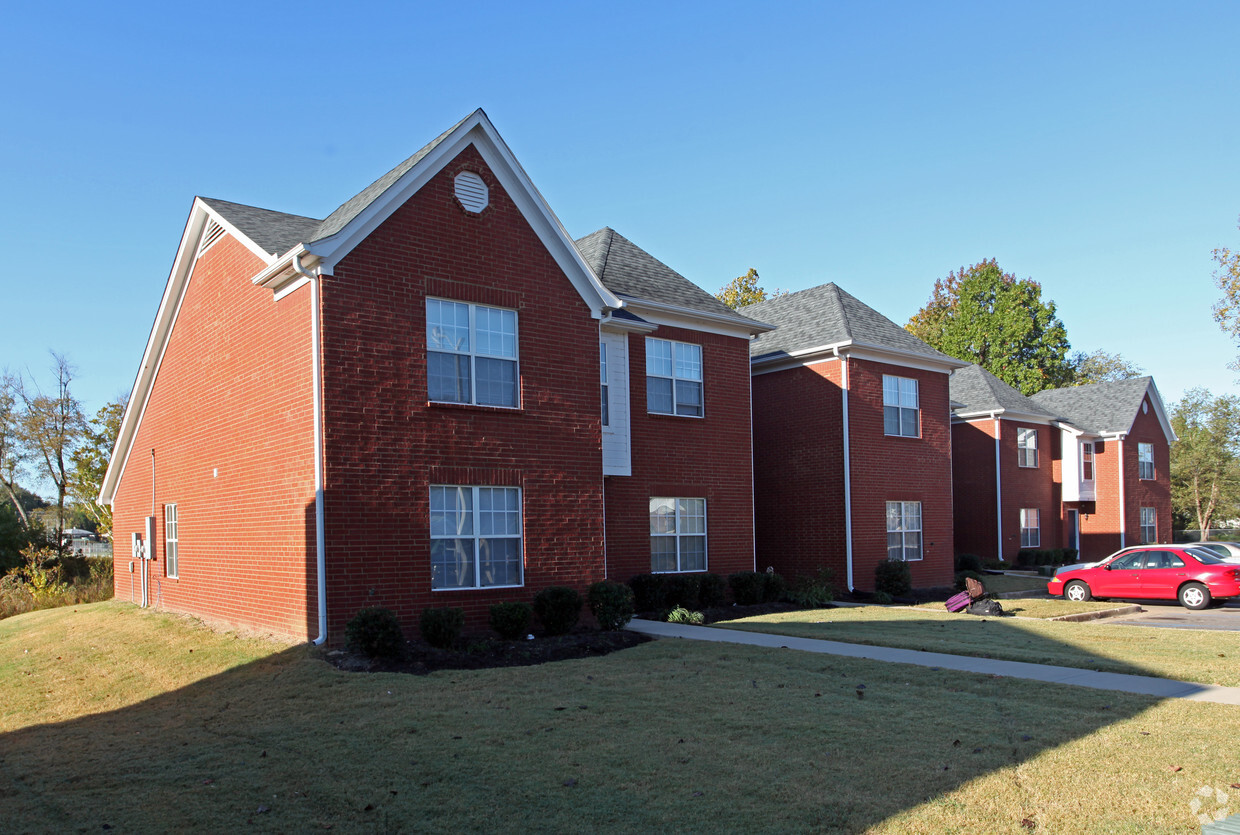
(1194, 596)
(1077, 592)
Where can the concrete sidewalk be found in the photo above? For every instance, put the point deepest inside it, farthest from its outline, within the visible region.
(1144, 685)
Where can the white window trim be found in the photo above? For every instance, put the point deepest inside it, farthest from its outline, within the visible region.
(473, 353)
(605, 393)
(477, 537)
(172, 542)
(1142, 460)
(677, 535)
(1030, 535)
(1025, 449)
(674, 378)
(901, 407)
(1091, 459)
(902, 530)
(1153, 526)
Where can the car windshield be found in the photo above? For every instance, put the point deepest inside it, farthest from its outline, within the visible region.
(1216, 550)
(1205, 556)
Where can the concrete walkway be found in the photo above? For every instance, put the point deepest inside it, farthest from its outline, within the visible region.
(1144, 685)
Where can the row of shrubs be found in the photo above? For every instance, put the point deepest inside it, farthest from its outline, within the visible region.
(1028, 557)
(663, 592)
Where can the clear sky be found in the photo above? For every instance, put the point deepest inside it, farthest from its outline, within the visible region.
(1093, 147)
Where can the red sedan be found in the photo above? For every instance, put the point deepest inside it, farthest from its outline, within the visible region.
(1190, 575)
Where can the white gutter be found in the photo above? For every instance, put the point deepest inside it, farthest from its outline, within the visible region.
(753, 480)
(848, 543)
(998, 485)
(320, 535)
(1123, 499)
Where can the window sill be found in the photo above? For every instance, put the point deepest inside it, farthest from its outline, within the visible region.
(476, 588)
(472, 407)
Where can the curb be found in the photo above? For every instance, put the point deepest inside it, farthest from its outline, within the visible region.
(1100, 614)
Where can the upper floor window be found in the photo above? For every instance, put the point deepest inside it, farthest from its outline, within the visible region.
(602, 378)
(172, 537)
(904, 531)
(475, 537)
(1087, 462)
(673, 378)
(471, 354)
(1027, 447)
(677, 534)
(1145, 461)
(900, 407)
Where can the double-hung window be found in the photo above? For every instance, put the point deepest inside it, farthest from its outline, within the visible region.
(475, 537)
(1027, 447)
(1149, 526)
(904, 531)
(1030, 527)
(471, 354)
(172, 537)
(1145, 461)
(1087, 461)
(901, 411)
(677, 534)
(673, 378)
(602, 378)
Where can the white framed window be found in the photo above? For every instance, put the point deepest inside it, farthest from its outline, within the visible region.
(904, 531)
(1030, 527)
(172, 538)
(602, 379)
(1027, 447)
(471, 354)
(1149, 526)
(677, 535)
(901, 409)
(1087, 461)
(673, 378)
(475, 537)
(1145, 461)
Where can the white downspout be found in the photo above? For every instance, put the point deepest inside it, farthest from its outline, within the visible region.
(320, 534)
(1123, 499)
(848, 543)
(998, 486)
(753, 472)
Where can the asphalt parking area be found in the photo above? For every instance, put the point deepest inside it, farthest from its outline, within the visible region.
(1171, 615)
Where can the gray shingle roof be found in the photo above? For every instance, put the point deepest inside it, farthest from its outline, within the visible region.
(977, 390)
(827, 315)
(630, 272)
(1100, 408)
(275, 232)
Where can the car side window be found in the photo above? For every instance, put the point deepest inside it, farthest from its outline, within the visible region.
(1158, 559)
(1172, 561)
(1128, 561)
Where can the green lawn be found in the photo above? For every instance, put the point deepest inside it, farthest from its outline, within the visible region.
(139, 721)
(1186, 654)
(1002, 583)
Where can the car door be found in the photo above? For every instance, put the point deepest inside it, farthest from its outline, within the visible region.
(1119, 578)
(1162, 575)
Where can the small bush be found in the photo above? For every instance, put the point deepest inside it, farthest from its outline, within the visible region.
(374, 632)
(882, 598)
(1025, 557)
(441, 627)
(1070, 555)
(611, 604)
(649, 592)
(774, 587)
(748, 587)
(511, 620)
(558, 608)
(968, 562)
(712, 591)
(961, 576)
(682, 590)
(813, 590)
(893, 577)
(682, 615)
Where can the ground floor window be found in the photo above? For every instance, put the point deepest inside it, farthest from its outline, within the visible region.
(475, 537)
(171, 541)
(677, 534)
(1030, 527)
(1149, 526)
(904, 531)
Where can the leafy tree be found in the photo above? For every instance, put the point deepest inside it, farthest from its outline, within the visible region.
(745, 290)
(1205, 461)
(12, 453)
(1102, 367)
(1227, 309)
(984, 315)
(90, 462)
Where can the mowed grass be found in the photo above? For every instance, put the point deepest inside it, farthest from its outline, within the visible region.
(109, 721)
(1201, 656)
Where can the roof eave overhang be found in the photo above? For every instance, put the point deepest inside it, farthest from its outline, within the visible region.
(1004, 414)
(780, 360)
(660, 313)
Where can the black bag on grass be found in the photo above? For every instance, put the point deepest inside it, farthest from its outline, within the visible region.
(988, 608)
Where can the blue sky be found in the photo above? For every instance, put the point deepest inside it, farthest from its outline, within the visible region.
(1091, 147)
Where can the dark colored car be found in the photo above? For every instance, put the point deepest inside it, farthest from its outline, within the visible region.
(1192, 576)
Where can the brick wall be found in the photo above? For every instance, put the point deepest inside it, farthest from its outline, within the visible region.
(1155, 493)
(973, 487)
(229, 419)
(1029, 487)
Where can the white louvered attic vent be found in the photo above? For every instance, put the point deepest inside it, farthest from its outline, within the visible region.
(472, 191)
(210, 235)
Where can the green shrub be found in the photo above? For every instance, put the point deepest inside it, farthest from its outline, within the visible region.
(558, 608)
(441, 627)
(1070, 555)
(968, 562)
(748, 587)
(961, 576)
(813, 590)
(882, 598)
(893, 577)
(649, 592)
(1025, 557)
(682, 615)
(511, 620)
(773, 587)
(712, 591)
(611, 604)
(1045, 557)
(374, 632)
(682, 590)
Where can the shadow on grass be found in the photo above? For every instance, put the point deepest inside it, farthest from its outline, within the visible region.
(671, 735)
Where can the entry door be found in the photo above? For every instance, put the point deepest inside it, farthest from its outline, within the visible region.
(1074, 529)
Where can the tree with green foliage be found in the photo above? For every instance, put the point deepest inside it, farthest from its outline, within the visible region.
(90, 462)
(745, 290)
(1227, 309)
(1102, 367)
(12, 453)
(986, 316)
(1205, 461)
